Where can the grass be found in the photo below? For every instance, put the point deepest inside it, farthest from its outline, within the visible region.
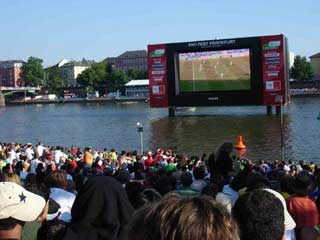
(214, 85)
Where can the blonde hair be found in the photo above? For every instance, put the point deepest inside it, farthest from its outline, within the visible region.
(200, 218)
(10, 177)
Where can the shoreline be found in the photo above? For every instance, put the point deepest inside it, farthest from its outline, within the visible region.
(78, 100)
(110, 100)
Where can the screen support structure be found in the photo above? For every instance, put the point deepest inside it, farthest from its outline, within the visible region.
(171, 112)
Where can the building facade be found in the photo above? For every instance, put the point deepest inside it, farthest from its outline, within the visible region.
(130, 60)
(70, 71)
(315, 64)
(11, 73)
(137, 88)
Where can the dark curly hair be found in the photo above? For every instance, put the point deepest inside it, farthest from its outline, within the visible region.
(260, 215)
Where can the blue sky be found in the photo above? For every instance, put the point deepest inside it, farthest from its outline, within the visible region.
(95, 29)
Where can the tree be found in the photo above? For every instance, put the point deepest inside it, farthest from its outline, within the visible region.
(301, 69)
(53, 80)
(33, 72)
(87, 78)
(137, 74)
(103, 75)
(95, 76)
(118, 79)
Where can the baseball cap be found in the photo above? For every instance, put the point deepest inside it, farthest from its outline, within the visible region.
(288, 220)
(18, 203)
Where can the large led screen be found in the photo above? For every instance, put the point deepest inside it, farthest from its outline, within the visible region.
(223, 70)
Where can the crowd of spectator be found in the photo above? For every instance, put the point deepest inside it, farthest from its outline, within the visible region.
(104, 194)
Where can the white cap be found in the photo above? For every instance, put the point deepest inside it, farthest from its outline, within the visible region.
(18, 203)
(288, 220)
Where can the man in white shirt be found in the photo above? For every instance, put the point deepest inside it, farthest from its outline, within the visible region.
(40, 149)
(57, 182)
(29, 152)
(57, 155)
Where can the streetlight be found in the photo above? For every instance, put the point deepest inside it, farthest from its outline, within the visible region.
(140, 130)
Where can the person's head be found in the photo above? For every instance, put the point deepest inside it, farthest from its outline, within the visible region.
(183, 219)
(256, 181)
(302, 184)
(163, 185)
(199, 172)
(10, 177)
(19, 167)
(237, 182)
(134, 191)
(102, 206)
(226, 147)
(186, 179)
(123, 176)
(302, 162)
(39, 168)
(286, 184)
(56, 179)
(211, 190)
(260, 215)
(17, 206)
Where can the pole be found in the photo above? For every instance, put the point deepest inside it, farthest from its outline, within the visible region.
(281, 129)
(2, 100)
(269, 110)
(141, 142)
(171, 112)
(193, 77)
(140, 130)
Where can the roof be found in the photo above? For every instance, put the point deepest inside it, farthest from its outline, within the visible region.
(317, 55)
(62, 62)
(140, 82)
(83, 62)
(110, 59)
(12, 61)
(134, 54)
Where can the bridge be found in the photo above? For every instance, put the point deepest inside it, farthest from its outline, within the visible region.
(4, 91)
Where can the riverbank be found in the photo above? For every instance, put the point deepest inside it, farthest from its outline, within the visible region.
(112, 100)
(76, 100)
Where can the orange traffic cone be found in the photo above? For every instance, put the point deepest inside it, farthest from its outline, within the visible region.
(240, 144)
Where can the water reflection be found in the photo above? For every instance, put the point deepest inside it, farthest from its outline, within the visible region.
(199, 134)
(114, 126)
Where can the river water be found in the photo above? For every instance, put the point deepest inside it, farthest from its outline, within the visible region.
(192, 132)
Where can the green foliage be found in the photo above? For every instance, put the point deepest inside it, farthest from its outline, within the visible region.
(87, 78)
(119, 79)
(53, 80)
(102, 75)
(301, 69)
(33, 72)
(137, 74)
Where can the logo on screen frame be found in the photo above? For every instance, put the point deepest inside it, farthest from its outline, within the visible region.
(213, 98)
(157, 53)
(271, 45)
